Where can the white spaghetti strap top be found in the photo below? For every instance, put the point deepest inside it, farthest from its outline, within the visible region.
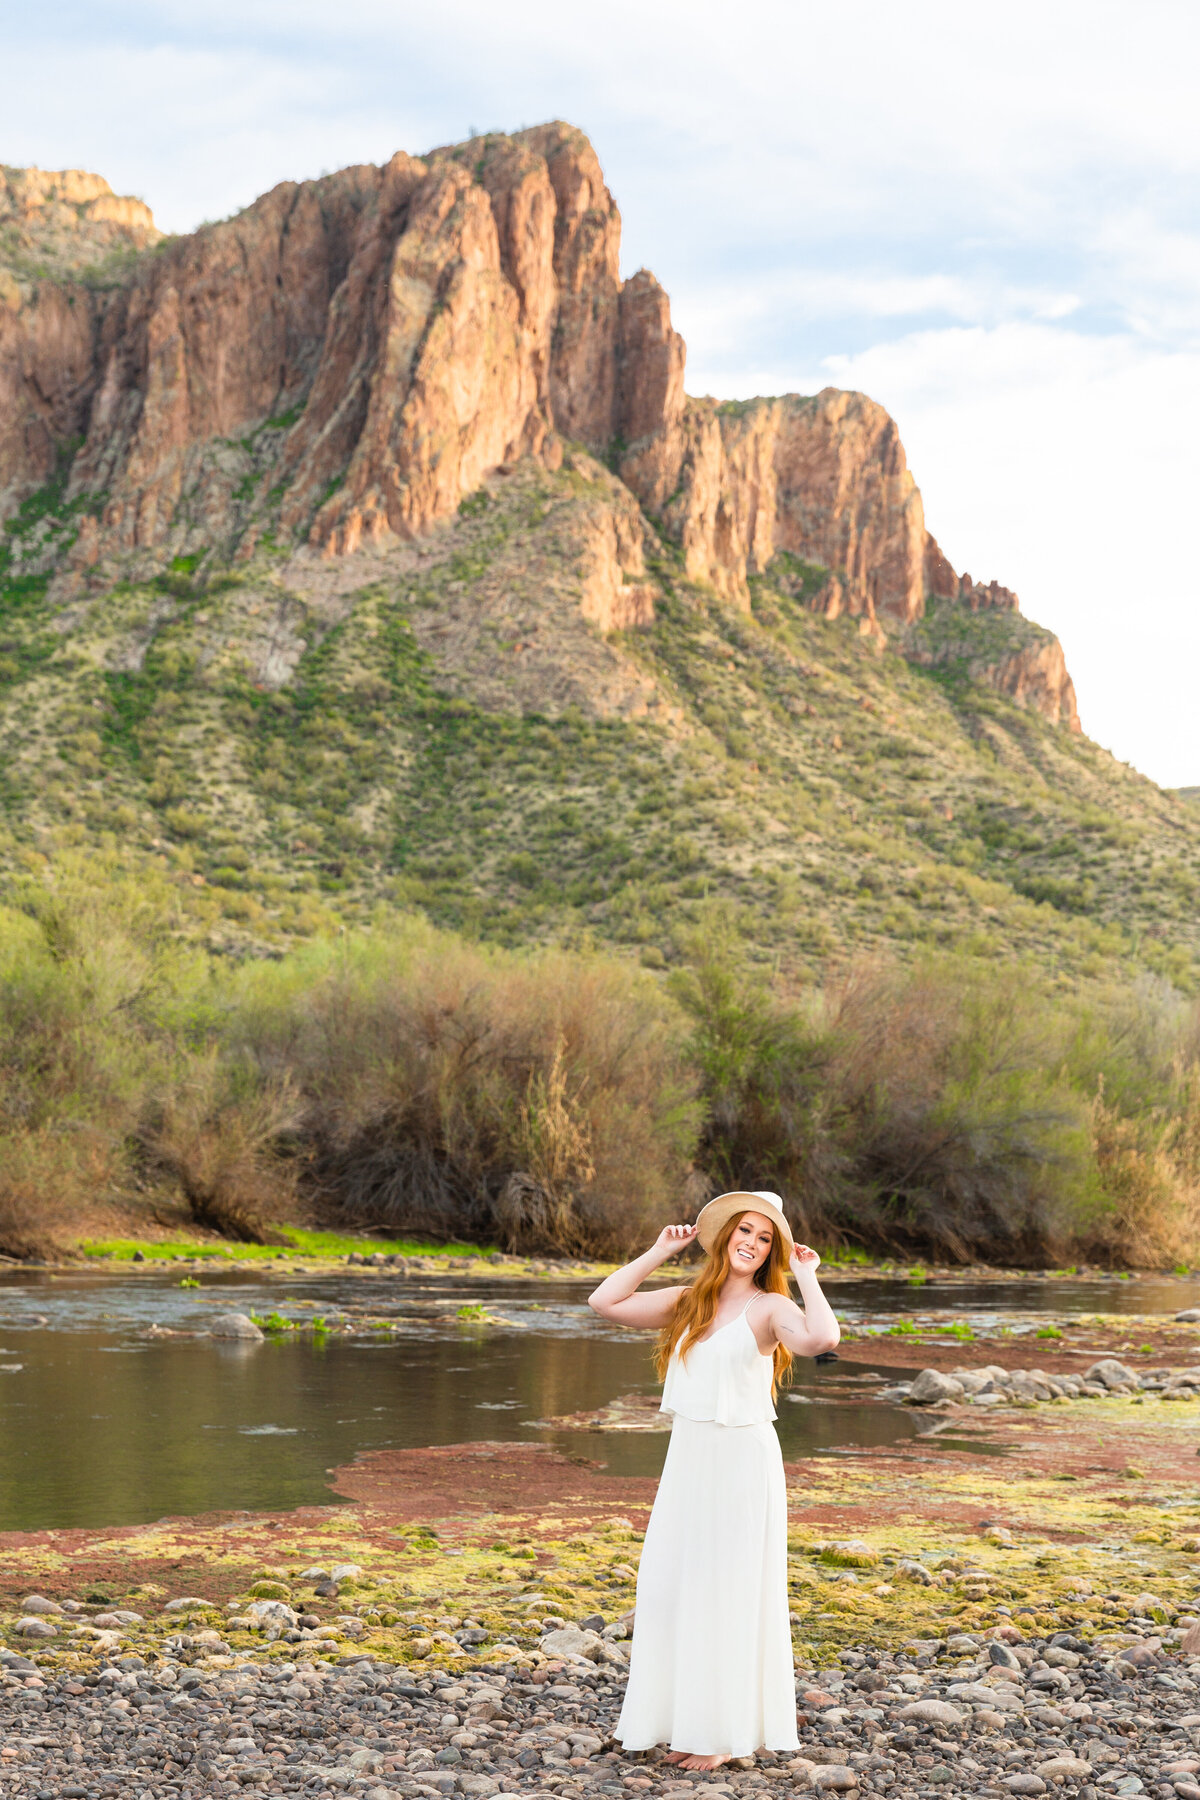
(726, 1379)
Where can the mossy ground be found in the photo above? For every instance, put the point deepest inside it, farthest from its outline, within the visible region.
(295, 759)
(1092, 1523)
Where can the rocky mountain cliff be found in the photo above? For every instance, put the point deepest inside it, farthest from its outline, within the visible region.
(365, 550)
(345, 361)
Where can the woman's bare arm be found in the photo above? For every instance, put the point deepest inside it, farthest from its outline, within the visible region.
(813, 1329)
(617, 1297)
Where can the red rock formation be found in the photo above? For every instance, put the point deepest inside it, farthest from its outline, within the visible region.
(365, 348)
(54, 226)
(1036, 678)
(47, 374)
(57, 223)
(824, 478)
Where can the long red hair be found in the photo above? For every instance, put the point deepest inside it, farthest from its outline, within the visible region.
(696, 1307)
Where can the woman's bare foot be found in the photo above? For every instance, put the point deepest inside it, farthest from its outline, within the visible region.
(702, 1762)
(674, 1756)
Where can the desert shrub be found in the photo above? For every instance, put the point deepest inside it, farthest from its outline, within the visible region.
(959, 1132)
(906, 1110)
(571, 1102)
(1148, 1209)
(764, 1068)
(47, 1178)
(539, 1099)
(223, 1133)
(85, 960)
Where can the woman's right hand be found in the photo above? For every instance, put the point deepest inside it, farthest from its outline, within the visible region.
(673, 1238)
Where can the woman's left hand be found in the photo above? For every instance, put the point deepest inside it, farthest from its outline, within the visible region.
(803, 1259)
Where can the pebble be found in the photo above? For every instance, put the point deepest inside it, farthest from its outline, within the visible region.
(871, 1724)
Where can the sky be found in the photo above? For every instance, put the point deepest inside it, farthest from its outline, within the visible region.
(986, 217)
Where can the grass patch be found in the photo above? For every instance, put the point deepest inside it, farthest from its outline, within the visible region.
(301, 1243)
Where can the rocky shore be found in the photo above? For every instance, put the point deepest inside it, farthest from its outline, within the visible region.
(963, 1715)
(994, 1385)
(1009, 1602)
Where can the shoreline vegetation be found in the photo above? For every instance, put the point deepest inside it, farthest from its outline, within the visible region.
(465, 1610)
(899, 1548)
(562, 1103)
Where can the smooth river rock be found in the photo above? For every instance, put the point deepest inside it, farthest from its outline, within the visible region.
(931, 1712)
(931, 1386)
(235, 1325)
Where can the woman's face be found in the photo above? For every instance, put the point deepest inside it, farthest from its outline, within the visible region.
(750, 1244)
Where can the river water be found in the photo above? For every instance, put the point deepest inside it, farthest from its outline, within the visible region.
(99, 1426)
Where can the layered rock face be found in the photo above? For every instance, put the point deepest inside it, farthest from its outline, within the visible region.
(824, 479)
(64, 238)
(59, 224)
(344, 361)
(407, 328)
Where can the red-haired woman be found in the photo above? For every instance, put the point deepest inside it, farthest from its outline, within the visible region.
(711, 1671)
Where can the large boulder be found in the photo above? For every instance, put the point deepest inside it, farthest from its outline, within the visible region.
(1110, 1373)
(37, 1603)
(235, 1325)
(973, 1381)
(569, 1640)
(931, 1712)
(931, 1386)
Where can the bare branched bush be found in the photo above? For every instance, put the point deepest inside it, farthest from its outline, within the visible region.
(536, 1205)
(1148, 1209)
(219, 1132)
(433, 1073)
(47, 1178)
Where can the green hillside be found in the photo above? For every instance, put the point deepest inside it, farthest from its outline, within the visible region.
(298, 742)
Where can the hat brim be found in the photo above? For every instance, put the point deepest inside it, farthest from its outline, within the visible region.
(710, 1218)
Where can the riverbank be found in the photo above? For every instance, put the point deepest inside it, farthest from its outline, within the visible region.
(305, 1249)
(483, 1591)
(498, 1536)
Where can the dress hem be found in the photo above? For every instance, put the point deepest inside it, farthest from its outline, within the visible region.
(632, 1749)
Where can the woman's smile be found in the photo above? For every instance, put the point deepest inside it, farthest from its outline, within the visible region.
(750, 1244)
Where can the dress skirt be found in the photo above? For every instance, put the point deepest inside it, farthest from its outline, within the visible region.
(711, 1667)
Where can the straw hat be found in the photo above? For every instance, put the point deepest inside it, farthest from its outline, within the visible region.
(710, 1218)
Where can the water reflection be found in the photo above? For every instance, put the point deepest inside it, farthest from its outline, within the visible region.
(184, 1426)
(95, 1298)
(98, 1427)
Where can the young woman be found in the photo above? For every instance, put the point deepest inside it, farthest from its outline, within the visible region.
(711, 1671)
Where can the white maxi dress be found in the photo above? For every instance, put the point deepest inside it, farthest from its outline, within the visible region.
(711, 1668)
